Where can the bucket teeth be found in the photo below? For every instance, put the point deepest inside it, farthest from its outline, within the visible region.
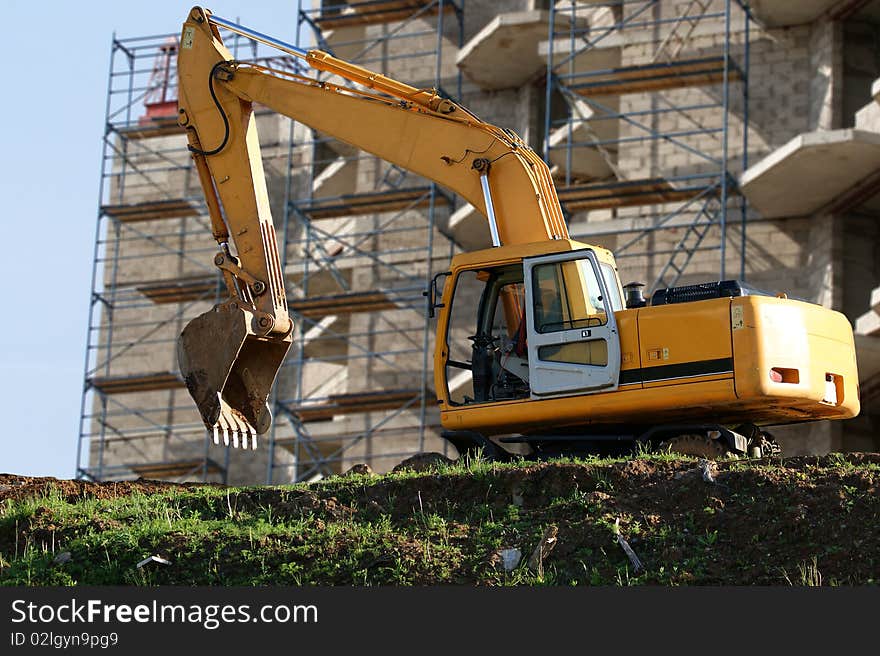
(235, 430)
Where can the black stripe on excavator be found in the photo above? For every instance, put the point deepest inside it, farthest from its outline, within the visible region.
(674, 371)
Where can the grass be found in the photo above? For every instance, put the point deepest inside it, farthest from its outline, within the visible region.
(768, 523)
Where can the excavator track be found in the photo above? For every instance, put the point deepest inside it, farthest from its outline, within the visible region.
(701, 446)
(764, 446)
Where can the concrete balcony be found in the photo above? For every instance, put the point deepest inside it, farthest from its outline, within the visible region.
(467, 228)
(337, 179)
(569, 151)
(869, 323)
(784, 13)
(830, 171)
(346, 41)
(568, 60)
(868, 118)
(504, 54)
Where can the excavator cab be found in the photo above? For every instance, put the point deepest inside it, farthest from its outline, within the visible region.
(544, 326)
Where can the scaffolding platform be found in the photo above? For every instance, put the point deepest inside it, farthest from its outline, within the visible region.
(349, 404)
(648, 78)
(370, 203)
(374, 12)
(179, 291)
(151, 210)
(322, 306)
(569, 146)
(150, 129)
(630, 193)
(162, 380)
(174, 468)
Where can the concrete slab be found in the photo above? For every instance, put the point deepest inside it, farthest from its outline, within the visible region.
(337, 179)
(468, 229)
(600, 223)
(868, 117)
(608, 42)
(587, 162)
(867, 357)
(504, 54)
(347, 42)
(339, 147)
(868, 324)
(319, 328)
(780, 13)
(811, 171)
(596, 12)
(603, 57)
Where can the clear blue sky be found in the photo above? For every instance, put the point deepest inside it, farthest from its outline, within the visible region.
(51, 122)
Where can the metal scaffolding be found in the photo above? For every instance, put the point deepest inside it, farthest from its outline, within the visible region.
(356, 262)
(152, 272)
(639, 101)
(360, 237)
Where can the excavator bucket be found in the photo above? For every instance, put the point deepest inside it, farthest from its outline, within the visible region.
(229, 371)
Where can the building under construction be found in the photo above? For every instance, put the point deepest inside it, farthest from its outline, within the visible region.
(697, 139)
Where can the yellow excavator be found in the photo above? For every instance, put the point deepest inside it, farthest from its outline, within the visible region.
(545, 347)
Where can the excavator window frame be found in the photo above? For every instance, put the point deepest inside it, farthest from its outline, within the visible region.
(493, 278)
(564, 376)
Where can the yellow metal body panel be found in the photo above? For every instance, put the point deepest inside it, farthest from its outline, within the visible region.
(629, 405)
(673, 336)
(508, 254)
(630, 354)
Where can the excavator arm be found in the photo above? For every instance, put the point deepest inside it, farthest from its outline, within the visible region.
(230, 356)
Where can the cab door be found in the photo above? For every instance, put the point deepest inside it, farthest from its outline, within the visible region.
(573, 343)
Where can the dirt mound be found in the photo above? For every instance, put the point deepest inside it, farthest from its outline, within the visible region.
(796, 521)
(24, 487)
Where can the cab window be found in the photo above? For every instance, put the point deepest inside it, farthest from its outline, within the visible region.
(567, 296)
